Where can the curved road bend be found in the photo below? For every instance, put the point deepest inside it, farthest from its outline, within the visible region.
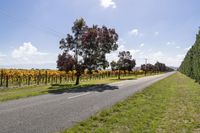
(55, 112)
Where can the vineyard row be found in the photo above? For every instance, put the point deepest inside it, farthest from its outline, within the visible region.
(18, 78)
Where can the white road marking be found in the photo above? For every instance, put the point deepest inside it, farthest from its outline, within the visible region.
(78, 95)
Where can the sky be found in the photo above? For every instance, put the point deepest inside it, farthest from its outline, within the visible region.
(159, 30)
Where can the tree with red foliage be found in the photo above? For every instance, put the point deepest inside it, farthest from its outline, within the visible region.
(65, 62)
(89, 46)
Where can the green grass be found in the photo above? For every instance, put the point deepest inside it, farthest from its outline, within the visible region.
(23, 92)
(171, 105)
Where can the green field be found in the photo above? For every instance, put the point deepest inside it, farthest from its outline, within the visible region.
(16, 93)
(171, 105)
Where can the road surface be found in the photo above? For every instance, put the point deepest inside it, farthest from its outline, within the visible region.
(55, 112)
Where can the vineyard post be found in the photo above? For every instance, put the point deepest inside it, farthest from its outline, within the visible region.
(145, 66)
(51, 79)
(118, 73)
(29, 79)
(56, 79)
(7, 81)
(19, 81)
(60, 79)
(1, 77)
(38, 78)
(46, 77)
(26, 79)
(72, 75)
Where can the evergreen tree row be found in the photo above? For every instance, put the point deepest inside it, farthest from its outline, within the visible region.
(191, 63)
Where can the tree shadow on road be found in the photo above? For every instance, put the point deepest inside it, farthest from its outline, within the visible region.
(122, 79)
(71, 88)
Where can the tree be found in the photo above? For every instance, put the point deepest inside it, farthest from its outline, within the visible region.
(114, 66)
(131, 65)
(160, 67)
(148, 67)
(65, 62)
(89, 45)
(124, 63)
(191, 63)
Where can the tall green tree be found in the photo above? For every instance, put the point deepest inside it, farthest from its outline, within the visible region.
(125, 62)
(113, 65)
(191, 63)
(160, 67)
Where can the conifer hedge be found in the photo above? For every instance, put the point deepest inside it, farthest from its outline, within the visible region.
(191, 63)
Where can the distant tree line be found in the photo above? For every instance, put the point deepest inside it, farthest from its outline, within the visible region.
(157, 67)
(191, 63)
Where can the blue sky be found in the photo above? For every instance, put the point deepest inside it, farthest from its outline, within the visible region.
(161, 30)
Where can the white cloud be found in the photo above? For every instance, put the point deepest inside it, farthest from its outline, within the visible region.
(134, 32)
(108, 3)
(26, 50)
(173, 44)
(29, 54)
(152, 56)
(155, 56)
(114, 55)
(142, 45)
(170, 60)
(156, 33)
(173, 60)
(168, 43)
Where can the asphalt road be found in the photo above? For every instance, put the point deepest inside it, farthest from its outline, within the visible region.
(55, 112)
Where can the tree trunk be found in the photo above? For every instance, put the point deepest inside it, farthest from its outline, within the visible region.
(20, 81)
(119, 74)
(7, 78)
(124, 72)
(1, 84)
(77, 79)
(60, 79)
(90, 76)
(72, 75)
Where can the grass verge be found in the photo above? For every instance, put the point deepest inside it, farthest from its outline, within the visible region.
(170, 105)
